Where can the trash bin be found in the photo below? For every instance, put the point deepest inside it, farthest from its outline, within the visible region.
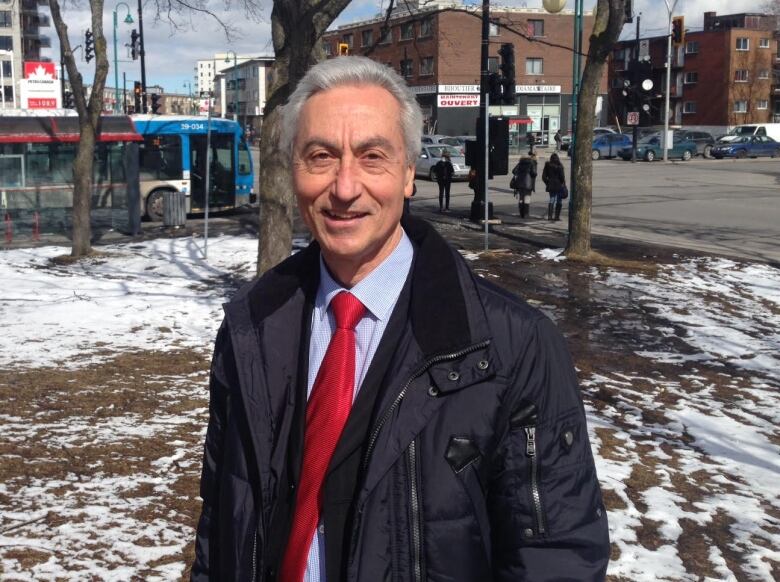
(174, 208)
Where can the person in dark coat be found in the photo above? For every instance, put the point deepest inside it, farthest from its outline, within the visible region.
(444, 172)
(555, 179)
(524, 175)
(461, 451)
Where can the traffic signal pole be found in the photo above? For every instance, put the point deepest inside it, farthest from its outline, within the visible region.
(670, 8)
(143, 57)
(635, 133)
(485, 111)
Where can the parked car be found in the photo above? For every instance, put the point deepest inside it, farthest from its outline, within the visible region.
(608, 145)
(650, 148)
(597, 131)
(703, 140)
(458, 141)
(747, 146)
(433, 138)
(431, 154)
(759, 129)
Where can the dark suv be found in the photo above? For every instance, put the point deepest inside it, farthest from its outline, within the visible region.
(703, 140)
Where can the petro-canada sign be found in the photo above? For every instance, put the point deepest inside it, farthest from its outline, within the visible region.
(40, 88)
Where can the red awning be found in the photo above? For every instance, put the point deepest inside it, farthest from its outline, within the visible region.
(520, 121)
(111, 128)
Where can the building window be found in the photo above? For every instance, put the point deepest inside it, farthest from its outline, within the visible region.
(741, 75)
(494, 29)
(691, 47)
(367, 37)
(426, 66)
(536, 28)
(6, 43)
(534, 66)
(5, 19)
(492, 64)
(689, 107)
(406, 68)
(691, 78)
(6, 68)
(426, 27)
(387, 36)
(763, 74)
(740, 106)
(328, 49)
(762, 104)
(743, 44)
(407, 31)
(349, 39)
(763, 43)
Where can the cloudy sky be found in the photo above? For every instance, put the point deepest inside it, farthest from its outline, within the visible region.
(171, 53)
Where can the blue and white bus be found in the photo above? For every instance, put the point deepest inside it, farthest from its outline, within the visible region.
(173, 158)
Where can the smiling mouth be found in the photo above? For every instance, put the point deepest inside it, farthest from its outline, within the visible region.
(333, 215)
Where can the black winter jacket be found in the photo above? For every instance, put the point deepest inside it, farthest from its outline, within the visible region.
(478, 466)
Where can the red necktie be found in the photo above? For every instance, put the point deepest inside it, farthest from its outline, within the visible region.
(326, 415)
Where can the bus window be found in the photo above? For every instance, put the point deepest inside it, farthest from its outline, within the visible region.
(11, 171)
(244, 161)
(160, 158)
(61, 160)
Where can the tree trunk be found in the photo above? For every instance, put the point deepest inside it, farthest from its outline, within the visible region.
(89, 119)
(296, 27)
(609, 22)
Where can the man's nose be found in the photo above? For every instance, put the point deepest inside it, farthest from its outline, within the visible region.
(347, 184)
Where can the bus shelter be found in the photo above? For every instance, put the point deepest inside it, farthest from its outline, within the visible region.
(36, 175)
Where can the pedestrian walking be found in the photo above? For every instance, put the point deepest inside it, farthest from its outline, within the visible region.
(555, 180)
(360, 427)
(524, 180)
(444, 173)
(558, 139)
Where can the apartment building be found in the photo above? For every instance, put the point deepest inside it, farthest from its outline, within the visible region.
(241, 91)
(20, 40)
(721, 76)
(436, 47)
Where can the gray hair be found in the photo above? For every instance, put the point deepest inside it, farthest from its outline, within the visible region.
(353, 70)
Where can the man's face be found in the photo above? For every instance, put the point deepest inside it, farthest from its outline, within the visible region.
(351, 175)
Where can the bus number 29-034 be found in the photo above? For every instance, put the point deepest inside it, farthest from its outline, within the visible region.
(193, 126)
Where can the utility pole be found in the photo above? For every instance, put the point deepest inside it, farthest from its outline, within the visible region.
(670, 8)
(485, 109)
(142, 52)
(635, 135)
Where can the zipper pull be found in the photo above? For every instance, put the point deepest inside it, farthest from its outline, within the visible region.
(530, 446)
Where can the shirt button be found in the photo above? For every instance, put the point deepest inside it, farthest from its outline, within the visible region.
(321, 529)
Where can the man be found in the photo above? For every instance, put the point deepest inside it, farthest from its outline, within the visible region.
(558, 139)
(444, 172)
(363, 429)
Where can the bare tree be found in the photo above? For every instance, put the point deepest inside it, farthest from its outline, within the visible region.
(610, 17)
(89, 117)
(296, 27)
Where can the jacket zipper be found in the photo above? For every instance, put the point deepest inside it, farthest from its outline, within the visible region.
(530, 451)
(254, 557)
(385, 417)
(415, 510)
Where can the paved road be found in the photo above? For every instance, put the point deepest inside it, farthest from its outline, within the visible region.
(724, 206)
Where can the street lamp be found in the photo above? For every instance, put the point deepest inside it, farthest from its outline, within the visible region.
(188, 84)
(235, 82)
(128, 20)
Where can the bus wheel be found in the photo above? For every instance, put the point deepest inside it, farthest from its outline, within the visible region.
(154, 206)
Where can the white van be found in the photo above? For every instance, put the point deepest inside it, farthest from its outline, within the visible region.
(750, 129)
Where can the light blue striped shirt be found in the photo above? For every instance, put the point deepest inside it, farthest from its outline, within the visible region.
(379, 292)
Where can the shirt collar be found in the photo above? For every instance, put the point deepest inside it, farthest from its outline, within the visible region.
(379, 290)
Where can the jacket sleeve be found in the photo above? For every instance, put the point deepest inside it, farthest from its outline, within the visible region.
(545, 173)
(547, 516)
(221, 379)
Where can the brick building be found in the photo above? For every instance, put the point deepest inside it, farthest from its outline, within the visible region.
(721, 76)
(436, 47)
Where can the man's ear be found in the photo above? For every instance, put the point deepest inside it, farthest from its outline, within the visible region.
(409, 181)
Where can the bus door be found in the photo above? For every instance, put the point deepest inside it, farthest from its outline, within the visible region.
(222, 176)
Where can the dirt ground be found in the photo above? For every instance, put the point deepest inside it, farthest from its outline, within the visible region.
(605, 328)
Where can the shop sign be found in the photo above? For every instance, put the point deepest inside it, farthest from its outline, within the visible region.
(459, 100)
(538, 88)
(423, 89)
(459, 89)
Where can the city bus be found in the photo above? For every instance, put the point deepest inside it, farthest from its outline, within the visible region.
(37, 153)
(172, 157)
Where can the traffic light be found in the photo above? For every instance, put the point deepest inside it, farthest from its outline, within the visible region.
(494, 88)
(156, 103)
(137, 96)
(507, 52)
(343, 49)
(678, 30)
(89, 45)
(68, 100)
(134, 36)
